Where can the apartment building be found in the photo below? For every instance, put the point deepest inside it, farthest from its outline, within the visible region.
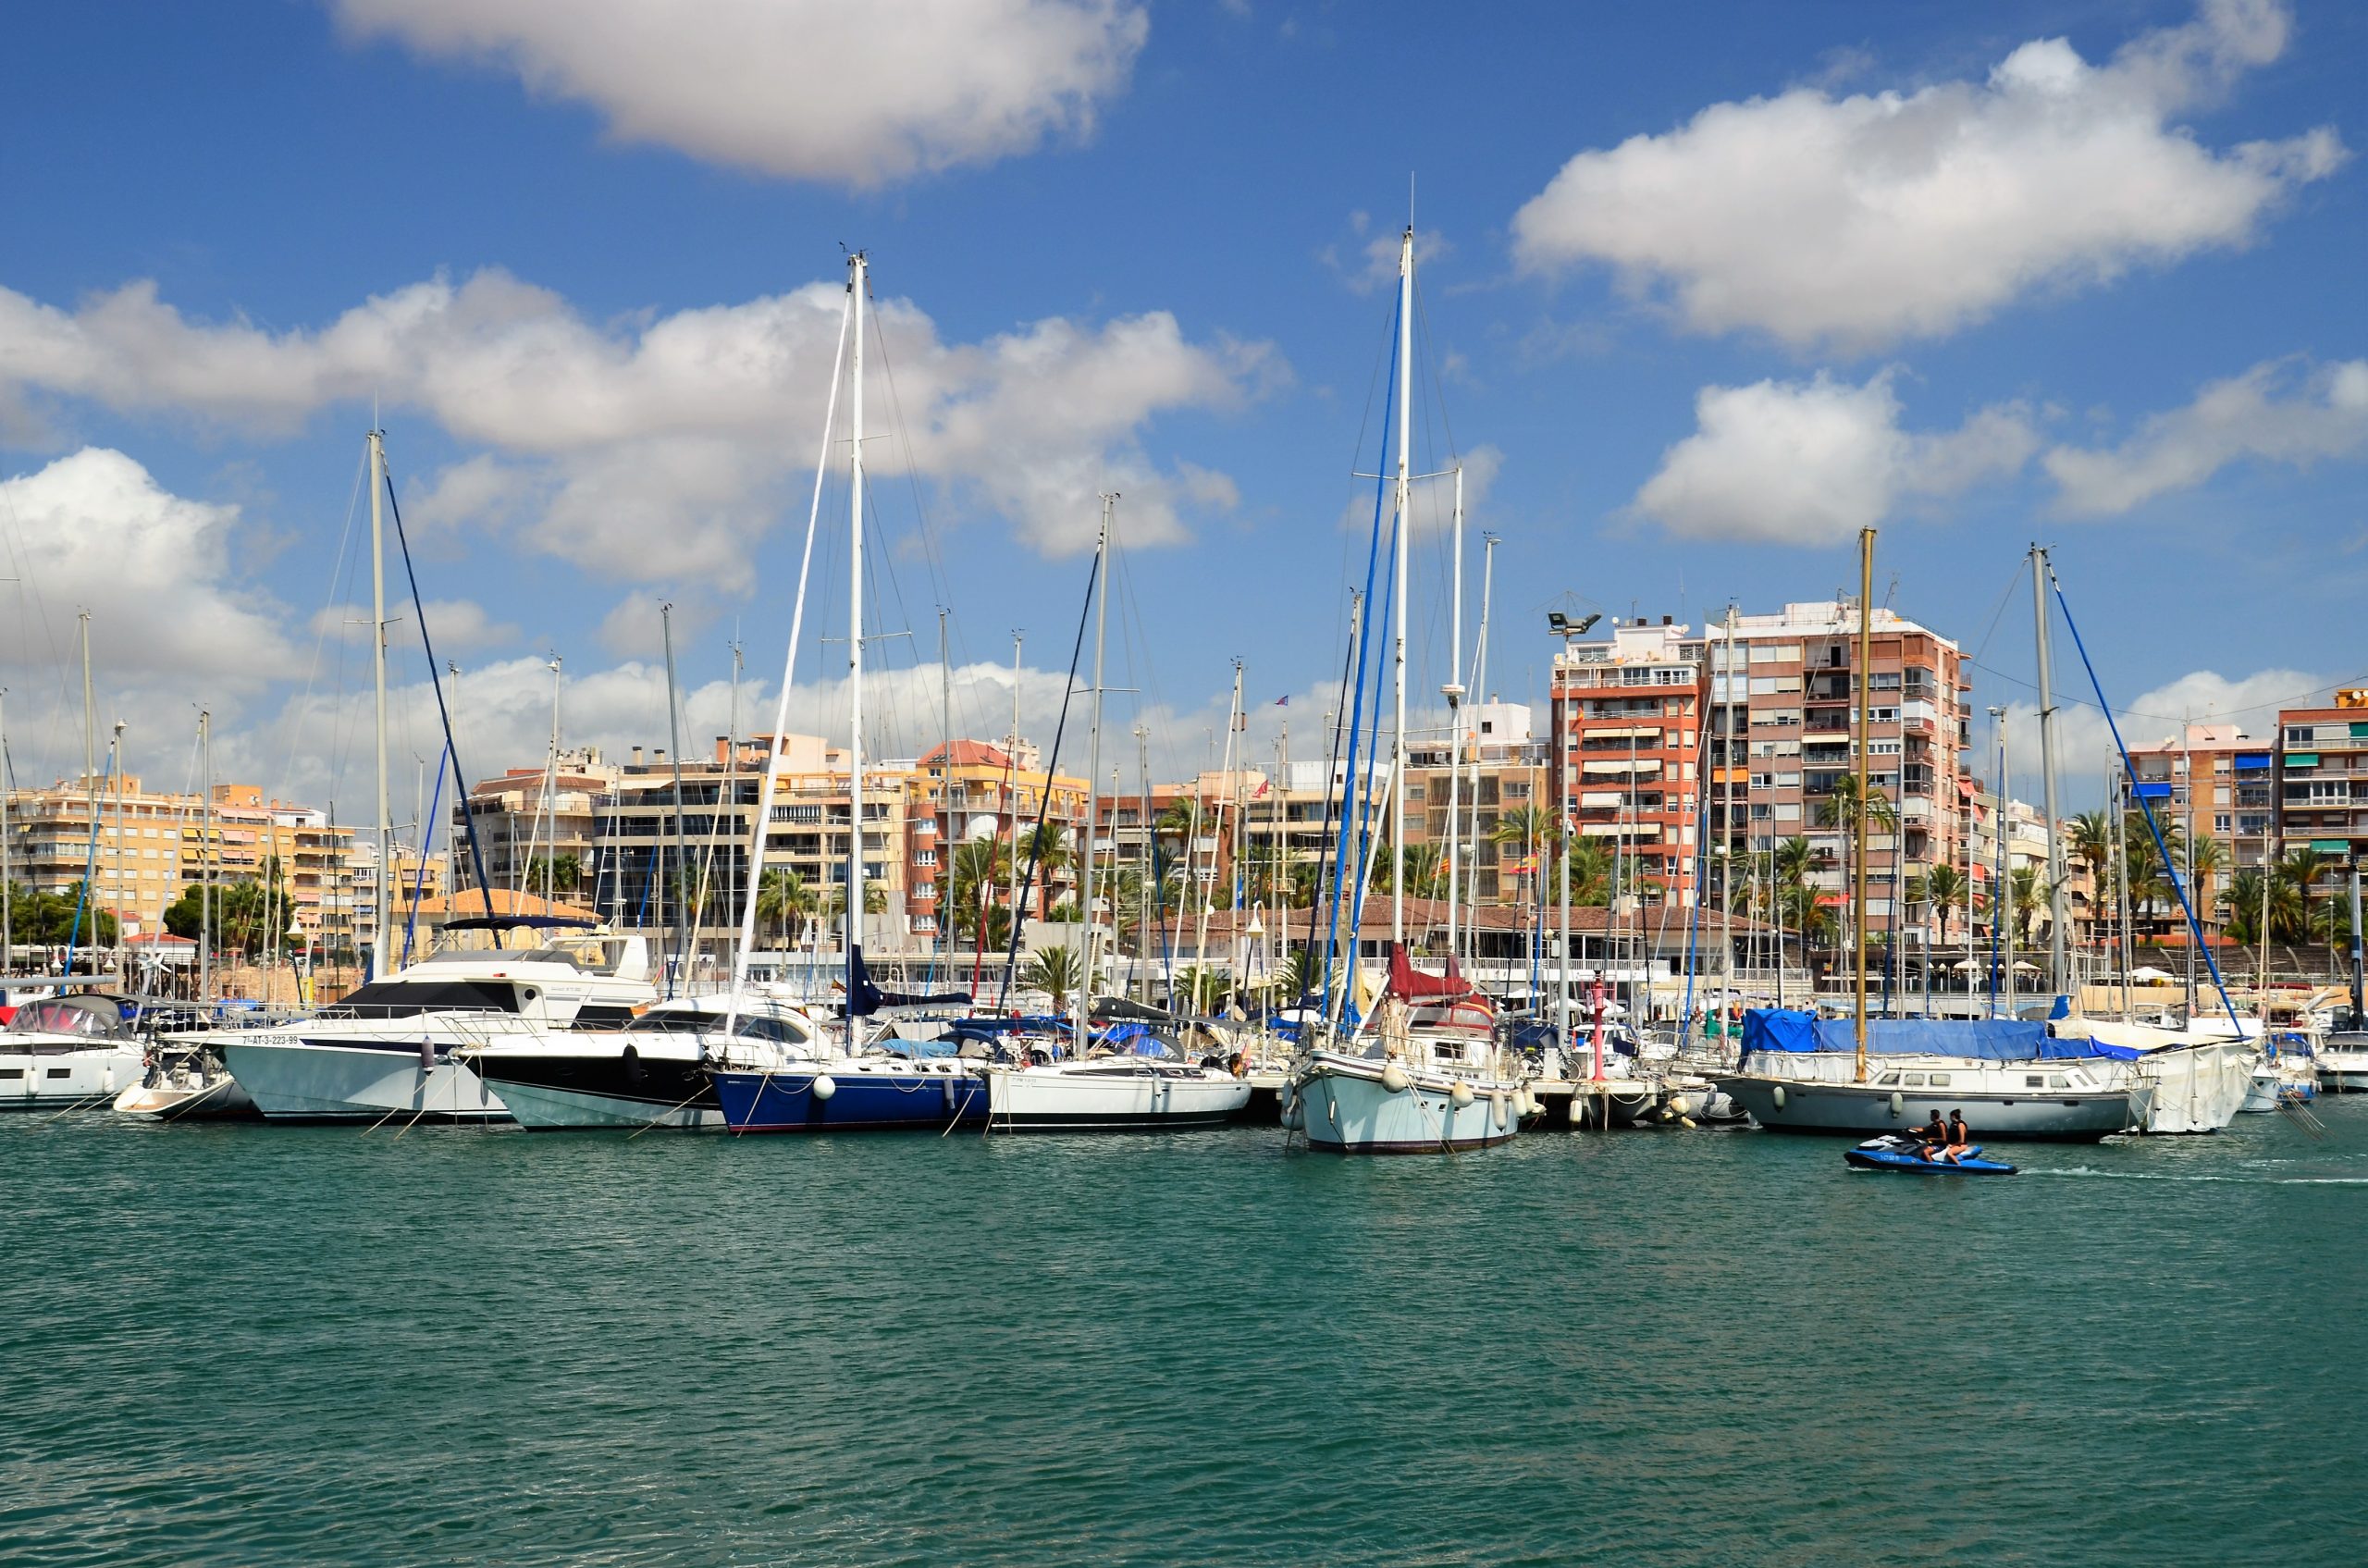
(1784, 715)
(539, 823)
(1625, 761)
(2322, 782)
(1505, 771)
(2215, 781)
(966, 791)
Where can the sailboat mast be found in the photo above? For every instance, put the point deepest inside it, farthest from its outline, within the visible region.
(1092, 759)
(679, 967)
(1727, 829)
(1398, 632)
(944, 789)
(90, 708)
(857, 268)
(1453, 691)
(382, 937)
(1011, 800)
(1480, 690)
(1865, 683)
(1233, 724)
(2056, 964)
(206, 859)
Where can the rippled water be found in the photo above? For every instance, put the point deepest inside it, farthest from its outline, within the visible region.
(250, 1345)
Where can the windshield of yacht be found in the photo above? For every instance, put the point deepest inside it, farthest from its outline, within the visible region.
(403, 999)
(91, 1017)
(752, 1026)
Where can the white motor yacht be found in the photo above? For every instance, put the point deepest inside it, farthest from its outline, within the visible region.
(395, 1047)
(62, 1051)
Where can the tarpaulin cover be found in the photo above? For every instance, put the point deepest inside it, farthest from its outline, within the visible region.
(1990, 1040)
(1411, 984)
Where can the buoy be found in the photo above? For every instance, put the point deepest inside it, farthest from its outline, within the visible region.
(1780, 1096)
(1680, 1105)
(1897, 1103)
(1461, 1095)
(1394, 1079)
(823, 1086)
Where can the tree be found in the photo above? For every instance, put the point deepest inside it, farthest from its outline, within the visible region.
(976, 874)
(1055, 971)
(1426, 874)
(785, 901)
(2031, 903)
(1943, 889)
(875, 900)
(2295, 872)
(1199, 990)
(561, 873)
(1523, 831)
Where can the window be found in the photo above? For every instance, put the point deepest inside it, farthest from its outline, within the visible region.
(1775, 652)
(1939, 1080)
(2297, 734)
(1913, 1080)
(2034, 1080)
(926, 857)
(2220, 822)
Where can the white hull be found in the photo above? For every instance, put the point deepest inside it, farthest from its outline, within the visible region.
(322, 1080)
(1342, 1104)
(1111, 1097)
(54, 1079)
(2048, 1101)
(2343, 1063)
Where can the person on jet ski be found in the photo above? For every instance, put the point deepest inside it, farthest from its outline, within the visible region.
(1932, 1137)
(1960, 1138)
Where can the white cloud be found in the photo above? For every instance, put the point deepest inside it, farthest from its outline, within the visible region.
(2084, 744)
(1371, 261)
(2275, 412)
(807, 89)
(1811, 463)
(1859, 221)
(694, 424)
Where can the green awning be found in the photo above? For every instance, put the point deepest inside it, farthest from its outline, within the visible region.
(2332, 846)
(2360, 729)
(2301, 758)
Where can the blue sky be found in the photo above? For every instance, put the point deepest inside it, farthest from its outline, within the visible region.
(1705, 289)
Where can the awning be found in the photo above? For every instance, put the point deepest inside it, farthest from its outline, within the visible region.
(1640, 765)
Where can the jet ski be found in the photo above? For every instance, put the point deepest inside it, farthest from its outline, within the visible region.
(1907, 1154)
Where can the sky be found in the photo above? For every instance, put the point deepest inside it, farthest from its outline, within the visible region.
(1703, 291)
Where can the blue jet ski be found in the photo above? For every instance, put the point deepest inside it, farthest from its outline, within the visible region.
(1907, 1154)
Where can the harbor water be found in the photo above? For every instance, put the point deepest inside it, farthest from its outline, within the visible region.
(256, 1345)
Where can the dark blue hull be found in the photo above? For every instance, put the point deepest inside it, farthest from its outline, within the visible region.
(868, 1102)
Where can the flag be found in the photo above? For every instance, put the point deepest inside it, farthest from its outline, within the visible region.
(1283, 701)
(1260, 791)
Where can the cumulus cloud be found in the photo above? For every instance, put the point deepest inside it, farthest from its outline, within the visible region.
(1859, 221)
(804, 89)
(459, 625)
(2084, 744)
(1811, 463)
(2277, 411)
(689, 426)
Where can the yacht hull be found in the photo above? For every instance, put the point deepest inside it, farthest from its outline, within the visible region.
(58, 1079)
(1865, 1110)
(1344, 1108)
(551, 1092)
(303, 1079)
(1051, 1100)
(861, 1099)
(216, 1099)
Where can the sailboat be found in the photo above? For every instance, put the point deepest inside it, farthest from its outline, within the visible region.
(868, 1080)
(1144, 1085)
(1416, 1077)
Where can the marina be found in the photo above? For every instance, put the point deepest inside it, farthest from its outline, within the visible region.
(1044, 782)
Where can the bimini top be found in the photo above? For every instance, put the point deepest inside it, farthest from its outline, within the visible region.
(1989, 1039)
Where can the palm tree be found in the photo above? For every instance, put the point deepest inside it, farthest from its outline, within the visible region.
(1943, 889)
(1426, 874)
(2031, 903)
(2292, 876)
(1199, 990)
(875, 900)
(1522, 831)
(1591, 874)
(1306, 876)
(980, 868)
(1055, 971)
(785, 901)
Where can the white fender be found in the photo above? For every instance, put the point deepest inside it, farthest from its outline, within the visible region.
(1459, 1095)
(823, 1086)
(1502, 1104)
(1780, 1096)
(1898, 1102)
(1680, 1105)
(1394, 1079)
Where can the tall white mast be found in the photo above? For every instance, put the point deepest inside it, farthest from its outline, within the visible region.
(1405, 523)
(1092, 761)
(381, 937)
(754, 882)
(1480, 688)
(205, 859)
(7, 905)
(1453, 691)
(1233, 724)
(2056, 975)
(1011, 801)
(856, 264)
(944, 794)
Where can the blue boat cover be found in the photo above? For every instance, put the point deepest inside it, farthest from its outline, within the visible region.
(1990, 1040)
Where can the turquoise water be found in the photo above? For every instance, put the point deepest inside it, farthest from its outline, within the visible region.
(250, 1345)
